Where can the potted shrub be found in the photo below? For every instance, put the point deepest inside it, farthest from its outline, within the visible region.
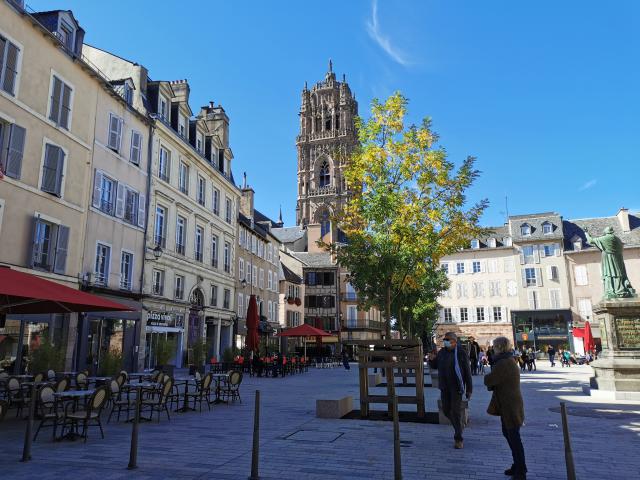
(46, 357)
(298, 302)
(165, 350)
(198, 357)
(290, 300)
(111, 363)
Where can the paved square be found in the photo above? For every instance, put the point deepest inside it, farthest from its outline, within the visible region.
(295, 445)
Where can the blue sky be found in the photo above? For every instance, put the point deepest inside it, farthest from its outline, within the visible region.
(546, 94)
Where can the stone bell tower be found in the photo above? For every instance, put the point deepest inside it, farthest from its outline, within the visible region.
(327, 137)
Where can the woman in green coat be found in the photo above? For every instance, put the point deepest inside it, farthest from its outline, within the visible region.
(506, 402)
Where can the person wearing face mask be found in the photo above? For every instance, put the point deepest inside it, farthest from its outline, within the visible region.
(454, 381)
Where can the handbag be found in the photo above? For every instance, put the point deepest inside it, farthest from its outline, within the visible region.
(493, 408)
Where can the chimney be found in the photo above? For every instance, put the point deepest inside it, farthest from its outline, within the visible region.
(246, 201)
(623, 219)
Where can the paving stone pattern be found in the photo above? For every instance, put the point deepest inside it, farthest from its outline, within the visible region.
(297, 446)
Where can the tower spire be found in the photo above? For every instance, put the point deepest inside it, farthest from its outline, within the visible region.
(330, 66)
(280, 216)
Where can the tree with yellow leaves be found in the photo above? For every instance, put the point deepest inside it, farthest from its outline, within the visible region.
(407, 208)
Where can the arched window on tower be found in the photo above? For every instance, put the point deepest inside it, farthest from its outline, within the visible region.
(325, 176)
(325, 223)
(327, 123)
(337, 121)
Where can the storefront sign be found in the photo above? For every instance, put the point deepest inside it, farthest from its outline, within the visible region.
(628, 332)
(160, 319)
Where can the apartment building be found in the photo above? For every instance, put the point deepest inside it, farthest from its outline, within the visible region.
(292, 292)
(47, 107)
(259, 270)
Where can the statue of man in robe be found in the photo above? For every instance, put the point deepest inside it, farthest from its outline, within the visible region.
(615, 282)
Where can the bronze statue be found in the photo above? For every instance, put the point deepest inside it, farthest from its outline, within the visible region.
(615, 282)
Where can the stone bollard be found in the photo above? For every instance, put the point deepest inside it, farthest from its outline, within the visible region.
(443, 420)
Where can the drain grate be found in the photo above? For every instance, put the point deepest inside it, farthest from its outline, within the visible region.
(314, 436)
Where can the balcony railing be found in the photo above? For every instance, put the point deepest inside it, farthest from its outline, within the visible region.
(180, 248)
(160, 241)
(106, 207)
(179, 293)
(158, 289)
(125, 284)
(198, 256)
(350, 297)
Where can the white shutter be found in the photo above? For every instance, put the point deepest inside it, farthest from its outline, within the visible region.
(536, 253)
(441, 311)
(524, 278)
(542, 254)
(483, 266)
(455, 314)
(531, 299)
(521, 256)
(60, 261)
(487, 314)
(549, 272)
(503, 313)
(97, 189)
(120, 201)
(141, 210)
(556, 248)
(539, 277)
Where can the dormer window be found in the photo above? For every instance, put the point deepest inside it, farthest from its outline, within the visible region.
(65, 35)
(475, 243)
(491, 242)
(506, 241)
(163, 110)
(547, 228)
(577, 243)
(128, 93)
(182, 128)
(525, 230)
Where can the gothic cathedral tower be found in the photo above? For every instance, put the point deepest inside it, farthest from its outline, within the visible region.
(327, 137)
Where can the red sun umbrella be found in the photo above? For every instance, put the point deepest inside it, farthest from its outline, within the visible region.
(305, 330)
(252, 325)
(23, 293)
(589, 343)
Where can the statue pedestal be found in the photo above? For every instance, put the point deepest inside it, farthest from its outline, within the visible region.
(617, 370)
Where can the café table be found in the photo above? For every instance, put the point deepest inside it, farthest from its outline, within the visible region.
(139, 387)
(219, 378)
(75, 396)
(140, 376)
(186, 380)
(98, 380)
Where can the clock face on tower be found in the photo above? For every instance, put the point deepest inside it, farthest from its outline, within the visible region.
(327, 137)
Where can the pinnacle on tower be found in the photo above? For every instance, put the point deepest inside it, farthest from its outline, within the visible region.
(280, 216)
(330, 66)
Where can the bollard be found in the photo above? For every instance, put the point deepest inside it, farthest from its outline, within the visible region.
(133, 452)
(255, 452)
(568, 453)
(26, 450)
(397, 461)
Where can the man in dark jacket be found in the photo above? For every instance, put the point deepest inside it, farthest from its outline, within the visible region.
(474, 352)
(454, 380)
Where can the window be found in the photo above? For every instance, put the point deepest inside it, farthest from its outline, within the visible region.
(160, 227)
(325, 176)
(525, 230)
(352, 316)
(9, 56)
(528, 255)
(254, 244)
(104, 192)
(214, 295)
(181, 234)
(464, 314)
(249, 276)
(199, 143)
(581, 275)
(494, 288)
(552, 273)
(12, 139)
(497, 314)
(476, 266)
(351, 294)
(325, 223)
(52, 170)
(577, 244)
(509, 265)
(530, 277)
(126, 270)
(131, 206)
(158, 282)
(255, 275)
(114, 138)
(183, 178)
(179, 287)
(164, 164)
(270, 253)
(475, 244)
(241, 312)
(198, 244)
(478, 289)
(549, 250)
(65, 35)
(215, 203)
(506, 241)
(547, 228)
(492, 265)
(60, 108)
(269, 280)
(491, 243)
(136, 147)
(103, 257)
(202, 190)
(532, 298)
(585, 308)
(460, 268)
(461, 290)
(227, 210)
(261, 249)
(269, 310)
(446, 315)
(445, 268)
(261, 279)
(49, 251)
(163, 111)
(128, 93)
(226, 300)
(241, 269)
(512, 288)
(227, 257)
(554, 298)
(480, 314)
(182, 126)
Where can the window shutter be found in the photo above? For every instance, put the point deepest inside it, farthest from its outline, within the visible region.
(539, 277)
(541, 250)
(549, 272)
(54, 114)
(530, 299)
(141, 210)
(455, 314)
(11, 68)
(120, 201)
(556, 248)
(66, 106)
(487, 314)
(61, 250)
(97, 189)
(136, 144)
(483, 266)
(524, 277)
(3, 45)
(114, 126)
(503, 314)
(521, 256)
(34, 243)
(536, 253)
(14, 152)
(59, 168)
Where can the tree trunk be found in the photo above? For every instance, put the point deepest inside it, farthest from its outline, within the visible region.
(388, 313)
(400, 321)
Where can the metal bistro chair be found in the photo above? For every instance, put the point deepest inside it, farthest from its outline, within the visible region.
(91, 412)
(51, 375)
(15, 395)
(62, 385)
(159, 403)
(120, 400)
(231, 388)
(203, 391)
(47, 410)
(82, 381)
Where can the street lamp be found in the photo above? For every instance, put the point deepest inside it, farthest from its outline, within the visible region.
(157, 252)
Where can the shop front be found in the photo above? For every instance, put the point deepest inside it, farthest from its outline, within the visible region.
(539, 328)
(163, 328)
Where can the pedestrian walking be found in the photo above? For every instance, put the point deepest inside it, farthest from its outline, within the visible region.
(552, 355)
(531, 360)
(506, 402)
(454, 381)
(474, 353)
(345, 360)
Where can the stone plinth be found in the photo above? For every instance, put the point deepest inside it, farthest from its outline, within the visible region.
(334, 408)
(617, 370)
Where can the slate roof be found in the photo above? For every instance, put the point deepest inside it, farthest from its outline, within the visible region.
(595, 226)
(290, 276)
(319, 260)
(257, 228)
(535, 221)
(288, 234)
(494, 232)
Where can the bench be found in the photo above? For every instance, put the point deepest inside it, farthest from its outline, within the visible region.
(334, 408)
(443, 420)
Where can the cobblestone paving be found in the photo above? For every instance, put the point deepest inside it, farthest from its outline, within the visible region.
(295, 445)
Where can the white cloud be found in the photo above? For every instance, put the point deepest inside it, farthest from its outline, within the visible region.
(383, 41)
(588, 185)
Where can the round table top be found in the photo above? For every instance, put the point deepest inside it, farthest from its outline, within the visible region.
(142, 385)
(74, 393)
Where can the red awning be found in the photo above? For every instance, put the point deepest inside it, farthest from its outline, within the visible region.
(23, 293)
(304, 330)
